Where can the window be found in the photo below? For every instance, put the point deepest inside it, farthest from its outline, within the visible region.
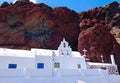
(104, 68)
(12, 66)
(79, 66)
(40, 65)
(56, 65)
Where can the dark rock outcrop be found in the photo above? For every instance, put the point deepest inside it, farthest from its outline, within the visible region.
(96, 25)
(98, 41)
(108, 15)
(27, 25)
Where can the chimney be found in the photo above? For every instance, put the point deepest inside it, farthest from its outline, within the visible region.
(112, 60)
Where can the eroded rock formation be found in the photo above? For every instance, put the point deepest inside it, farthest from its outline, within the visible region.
(96, 25)
(98, 41)
(27, 25)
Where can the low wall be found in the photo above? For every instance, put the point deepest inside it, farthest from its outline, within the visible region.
(11, 73)
(85, 79)
(81, 72)
(40, 72)
(94, 72)
(25, 73)
(51, 73)
(56, 76)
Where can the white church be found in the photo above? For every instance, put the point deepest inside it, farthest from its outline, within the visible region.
(54, 66)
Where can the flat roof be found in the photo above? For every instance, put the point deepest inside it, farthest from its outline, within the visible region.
(100, 64)
(32, 52)
(16, 52)
(48, 52)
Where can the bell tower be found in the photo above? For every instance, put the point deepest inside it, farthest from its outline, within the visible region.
(64, 49)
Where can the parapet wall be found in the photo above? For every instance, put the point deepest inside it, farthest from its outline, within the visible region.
(112, 70)
(32, 73)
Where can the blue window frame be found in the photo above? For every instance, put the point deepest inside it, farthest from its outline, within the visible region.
(104, 68)
(40, 65)
(12, 66)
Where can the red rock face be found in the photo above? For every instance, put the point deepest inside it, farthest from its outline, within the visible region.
(108, 15)
(98, 41)
(28, 25)
(67, 26)
(95, 25)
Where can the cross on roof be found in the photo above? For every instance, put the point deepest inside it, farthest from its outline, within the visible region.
(84, 51)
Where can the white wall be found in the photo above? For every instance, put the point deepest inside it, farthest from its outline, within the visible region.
(94, 72)
(67, 73)
(5, 73)
(47, 60)
(39, 72)
(11, 73)
(85, 79)
(71, 62)
(81, 72)
(22, 62)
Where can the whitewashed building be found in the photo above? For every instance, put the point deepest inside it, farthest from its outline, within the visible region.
(54, 66)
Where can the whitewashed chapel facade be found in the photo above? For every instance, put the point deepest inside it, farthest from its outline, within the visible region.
(40, 63)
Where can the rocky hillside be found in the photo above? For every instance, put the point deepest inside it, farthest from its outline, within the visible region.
(99, 31)
(24, 25)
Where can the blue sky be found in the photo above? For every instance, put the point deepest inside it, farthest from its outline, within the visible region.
(77, 5)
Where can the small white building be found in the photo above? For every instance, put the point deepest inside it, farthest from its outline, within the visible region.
(63, 58)
(53, 66)
(16, 59)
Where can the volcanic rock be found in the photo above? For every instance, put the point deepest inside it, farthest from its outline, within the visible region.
(68, 25)
(29, 25)
(107, 15)
(98, 41)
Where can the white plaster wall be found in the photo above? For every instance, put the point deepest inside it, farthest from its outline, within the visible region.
(67, 72)
(83, 62)
(80, 72)
(11, 73)
(47, 60)
(50, 73)
(70, 62)
(22, 62)
(94, 72)
(84, 79)
(40, 72)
